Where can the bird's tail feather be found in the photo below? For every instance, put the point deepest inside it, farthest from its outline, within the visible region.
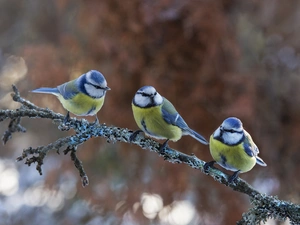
(197, 136)
(260, 162)
(46, 90)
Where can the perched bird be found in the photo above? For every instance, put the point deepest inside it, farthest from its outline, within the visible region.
(158, 118)
(233, 148)
(83, 96)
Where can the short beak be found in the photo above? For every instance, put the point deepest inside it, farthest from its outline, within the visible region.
(107, 88)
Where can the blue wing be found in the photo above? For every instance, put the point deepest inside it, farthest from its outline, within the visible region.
(249, 146)
(68, 90)
(248, 149)
(171, 116)
(251, 149)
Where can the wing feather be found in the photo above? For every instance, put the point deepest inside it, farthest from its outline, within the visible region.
(171, 116)
(68, 90)
(250, 147)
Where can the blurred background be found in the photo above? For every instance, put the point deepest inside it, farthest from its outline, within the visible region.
(211, 59)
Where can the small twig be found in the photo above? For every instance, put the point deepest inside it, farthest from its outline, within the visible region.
(14, 126)
(78, 165)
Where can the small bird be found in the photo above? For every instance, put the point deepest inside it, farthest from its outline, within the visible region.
(158, 118)
(83, 96)
(233, 148)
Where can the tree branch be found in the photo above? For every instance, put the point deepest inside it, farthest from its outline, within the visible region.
(264, 206)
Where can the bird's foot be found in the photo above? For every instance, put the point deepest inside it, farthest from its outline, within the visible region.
(96, 122)
(163, 146)
(208, 165)
(65, 126)
(233, 177)
(133, 135)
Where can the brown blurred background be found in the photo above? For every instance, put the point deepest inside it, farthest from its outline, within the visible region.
(211, 59)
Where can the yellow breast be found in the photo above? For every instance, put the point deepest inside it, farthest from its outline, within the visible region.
(82, 105)
(231, 157)
(150, 120)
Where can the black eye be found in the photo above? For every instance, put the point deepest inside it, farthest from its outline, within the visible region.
(230, 130)
(141, 93)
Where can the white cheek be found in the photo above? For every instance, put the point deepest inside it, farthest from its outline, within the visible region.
(141, 100)
(91, 81)
(158, 99)
(94, 92)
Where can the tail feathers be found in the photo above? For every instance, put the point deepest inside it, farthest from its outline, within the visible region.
(47, 90)
(197, 136)
(260, 162)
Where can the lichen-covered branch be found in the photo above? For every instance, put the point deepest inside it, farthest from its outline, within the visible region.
(264, 206)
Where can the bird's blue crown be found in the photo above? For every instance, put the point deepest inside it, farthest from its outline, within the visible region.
(232, 122)
(96, 76)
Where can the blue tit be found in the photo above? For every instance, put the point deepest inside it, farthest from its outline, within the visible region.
(233, 148)
(158, 118)
(83, 96)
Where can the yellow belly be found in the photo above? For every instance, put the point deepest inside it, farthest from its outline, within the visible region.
(155, 125)
(82, 105)
(231, 157)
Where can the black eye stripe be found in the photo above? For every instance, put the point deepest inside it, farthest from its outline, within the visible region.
(230, 131)
(146, 94)
(95, 86)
